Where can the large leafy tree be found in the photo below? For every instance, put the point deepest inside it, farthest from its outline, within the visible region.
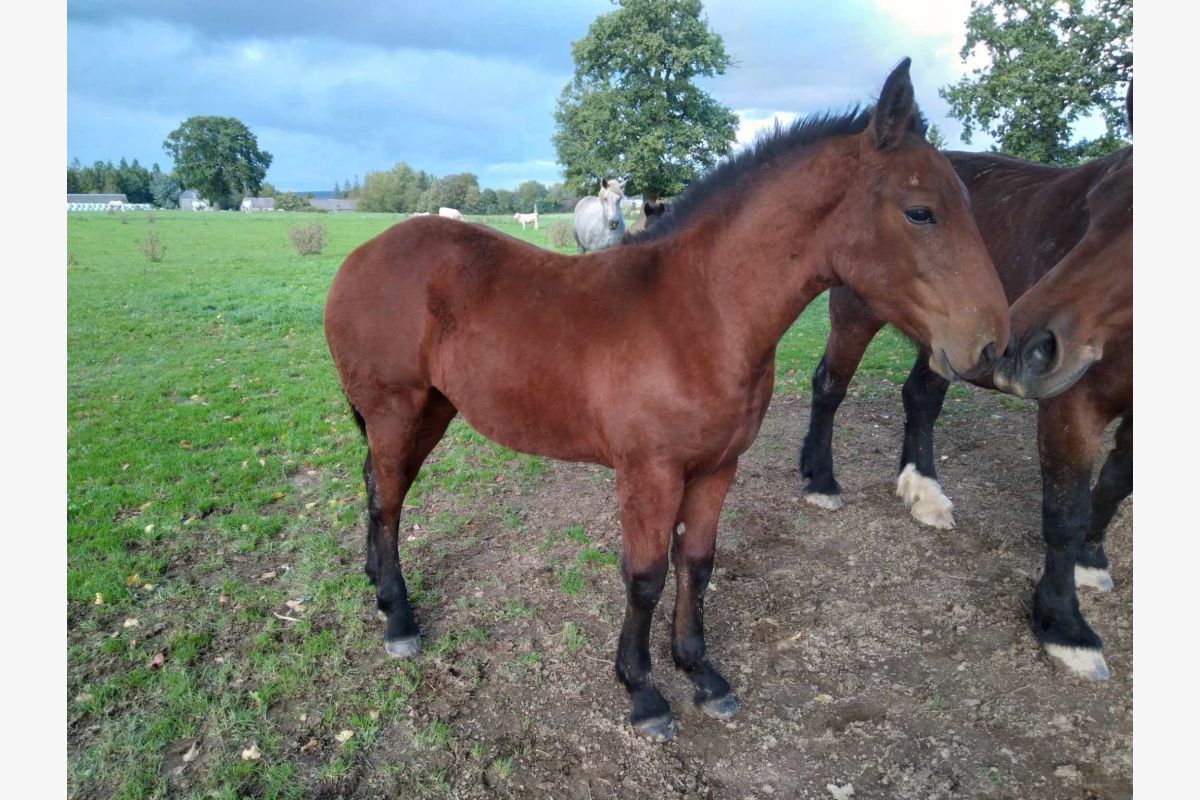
(219, 157)
(632, 108)
(1050, 62)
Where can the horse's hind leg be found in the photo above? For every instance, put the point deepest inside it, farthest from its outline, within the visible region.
(1114, 485)
(399, 441)
(924, 392)
(851, 328)
(695, 546)
(1069, 430)
(649, 498)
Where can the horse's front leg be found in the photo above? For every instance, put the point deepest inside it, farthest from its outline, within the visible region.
(1069, 430)
(695, 547)
(649, 496)
(924, 392)
(851, 328)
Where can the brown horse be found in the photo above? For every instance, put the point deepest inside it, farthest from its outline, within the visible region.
(1075, 354)
(657, 358)
(1065, 235)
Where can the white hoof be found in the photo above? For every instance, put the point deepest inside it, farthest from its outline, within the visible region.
(829, 502)
(924, 498)
(403, 648)
(1083, 661)
(1093, 577)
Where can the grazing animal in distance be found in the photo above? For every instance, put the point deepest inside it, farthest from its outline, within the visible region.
(451, 213)
(1037, 222)
(525, 219)
(656, 359)
(598, 223)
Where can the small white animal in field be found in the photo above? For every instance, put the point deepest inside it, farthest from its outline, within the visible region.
(419, 214)
(452, 213)
(525, 219)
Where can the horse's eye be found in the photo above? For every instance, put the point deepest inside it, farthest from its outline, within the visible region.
(919, 215)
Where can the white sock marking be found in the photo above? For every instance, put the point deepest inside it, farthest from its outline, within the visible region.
(1094, 578)
(924, 498)
(1083, 661)
(829, 502)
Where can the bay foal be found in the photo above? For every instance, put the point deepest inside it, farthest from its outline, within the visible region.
(657, 358)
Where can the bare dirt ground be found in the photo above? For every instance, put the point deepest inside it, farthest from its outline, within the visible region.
(865, 650)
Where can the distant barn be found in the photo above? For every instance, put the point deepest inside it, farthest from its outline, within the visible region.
(190, 201)
(258, 204)
(95, 202)
(334, 204)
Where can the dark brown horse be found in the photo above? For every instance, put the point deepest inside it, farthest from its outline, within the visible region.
(657, 358)
(1065, 235)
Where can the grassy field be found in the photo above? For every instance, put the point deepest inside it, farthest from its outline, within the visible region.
(212, 477)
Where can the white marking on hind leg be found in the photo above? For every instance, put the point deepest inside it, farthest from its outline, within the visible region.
(829, 502)
(1094, 577)
(1086, 662)
(924, 498)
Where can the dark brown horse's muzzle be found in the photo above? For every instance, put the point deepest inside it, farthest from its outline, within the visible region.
(1035, 366)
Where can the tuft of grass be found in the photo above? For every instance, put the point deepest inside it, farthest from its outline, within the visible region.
(435, 734)
(571, 581)
(573, 638)
(151, 246)
(308, 240)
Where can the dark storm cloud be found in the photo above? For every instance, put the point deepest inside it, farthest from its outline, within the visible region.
(537, 32)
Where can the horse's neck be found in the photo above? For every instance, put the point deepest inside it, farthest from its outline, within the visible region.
(757, 263)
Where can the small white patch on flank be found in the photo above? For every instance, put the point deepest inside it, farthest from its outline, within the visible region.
(924, 498)
(829, 502)
(1094, 577)
(1086, 662)
(679, 529)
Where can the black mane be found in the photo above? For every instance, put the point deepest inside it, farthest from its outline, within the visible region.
(766, 148)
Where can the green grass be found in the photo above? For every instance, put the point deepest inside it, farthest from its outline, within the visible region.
(209, 446)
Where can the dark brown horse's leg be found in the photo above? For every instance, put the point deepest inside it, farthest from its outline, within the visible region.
(1069, 430)
(1114, 485)
(399, 442)
(851, 328)
(695, 546)
(924, 392)
(649, 498)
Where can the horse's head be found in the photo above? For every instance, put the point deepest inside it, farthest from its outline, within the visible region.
(654, 213)
(610, 201)
(912, 250)
(1063, 324)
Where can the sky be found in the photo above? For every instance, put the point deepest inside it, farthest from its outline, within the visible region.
(334, 90)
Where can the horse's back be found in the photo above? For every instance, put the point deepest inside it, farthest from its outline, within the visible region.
(1030, 215)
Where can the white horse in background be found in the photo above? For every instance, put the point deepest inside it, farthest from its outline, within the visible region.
(598, 222)
(452, 213)
(525, 219)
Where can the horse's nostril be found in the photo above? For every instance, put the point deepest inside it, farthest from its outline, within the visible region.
(988, 356)
(1039, 352)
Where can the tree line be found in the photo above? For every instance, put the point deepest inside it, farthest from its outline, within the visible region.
(138, 184)
(400, 189)
(403, 189)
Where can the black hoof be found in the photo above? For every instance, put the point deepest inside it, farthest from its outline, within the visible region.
(719, 707)
(407, 647)
(657, 729)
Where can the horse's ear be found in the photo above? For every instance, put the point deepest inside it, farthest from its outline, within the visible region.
(895, 108)
(1129, 106)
